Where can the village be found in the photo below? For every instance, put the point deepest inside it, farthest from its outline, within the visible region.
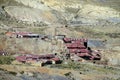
(59, 39)
(73, 49)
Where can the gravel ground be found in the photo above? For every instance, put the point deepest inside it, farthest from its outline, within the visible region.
(37, 76)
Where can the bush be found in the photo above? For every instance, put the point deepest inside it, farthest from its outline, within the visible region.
(13, 73)
(6, 59)
(22, 72)
(2, 69)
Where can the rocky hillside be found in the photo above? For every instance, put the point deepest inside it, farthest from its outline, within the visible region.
(66, 12)
(86, 12)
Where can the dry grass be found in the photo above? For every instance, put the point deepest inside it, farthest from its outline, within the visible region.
(99, 31)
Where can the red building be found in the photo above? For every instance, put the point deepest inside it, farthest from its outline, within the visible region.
(79, 47)
(48, 58)
(75, 46)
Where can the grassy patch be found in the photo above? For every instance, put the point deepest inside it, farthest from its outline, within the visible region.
(9, 2)
(37, 30)
(72, 10)
(89, 32)
(87, 68)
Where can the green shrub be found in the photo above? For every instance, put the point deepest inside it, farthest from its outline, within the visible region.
(6, 59)
(22, 72)
(13, 73)
(1, 69)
